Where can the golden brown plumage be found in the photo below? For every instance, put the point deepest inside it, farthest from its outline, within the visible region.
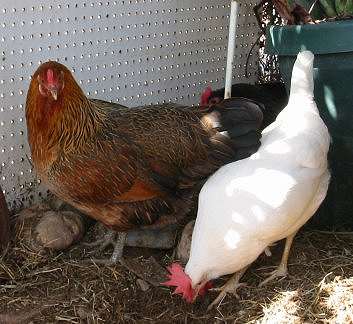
(129, 167)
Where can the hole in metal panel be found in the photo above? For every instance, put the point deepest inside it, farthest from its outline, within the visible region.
(157, 52)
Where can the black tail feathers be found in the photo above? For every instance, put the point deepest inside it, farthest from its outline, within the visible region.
(240, 120)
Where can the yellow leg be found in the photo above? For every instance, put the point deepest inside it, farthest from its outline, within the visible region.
(282, 269)
(231, 286)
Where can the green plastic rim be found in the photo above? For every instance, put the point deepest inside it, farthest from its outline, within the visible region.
(322, 38)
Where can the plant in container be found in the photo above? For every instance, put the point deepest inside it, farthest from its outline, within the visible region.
(324, 27)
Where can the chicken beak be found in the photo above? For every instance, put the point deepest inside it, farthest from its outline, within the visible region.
(197, 290)
(195, 295)
(54, 94)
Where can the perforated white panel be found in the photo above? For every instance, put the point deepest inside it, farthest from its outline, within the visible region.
(134, 52)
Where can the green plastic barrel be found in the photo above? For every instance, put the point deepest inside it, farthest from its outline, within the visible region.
(332, 44)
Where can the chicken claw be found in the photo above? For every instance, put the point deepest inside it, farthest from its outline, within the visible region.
(282, 270)
(103, 242)
(268, 252)
(231, 287)
(117, 239)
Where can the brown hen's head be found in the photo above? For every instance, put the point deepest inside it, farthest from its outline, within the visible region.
(52, 78)
(54, 102)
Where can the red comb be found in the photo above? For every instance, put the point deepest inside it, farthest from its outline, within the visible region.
(179, 279)
(50, 76)
(205, 96)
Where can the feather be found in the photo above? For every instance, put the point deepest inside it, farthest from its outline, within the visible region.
(130, 167)
(249, 204)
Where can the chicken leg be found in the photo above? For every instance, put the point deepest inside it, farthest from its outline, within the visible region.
(154, 238)
(231, 286)
(117, 239)
(282, 269)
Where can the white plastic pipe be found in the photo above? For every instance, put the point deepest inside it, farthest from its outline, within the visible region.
(231, 47)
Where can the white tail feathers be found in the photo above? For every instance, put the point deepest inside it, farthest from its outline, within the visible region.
(302, 82)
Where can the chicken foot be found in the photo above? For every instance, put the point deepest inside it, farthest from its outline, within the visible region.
(137, 266)
(117, 239)
(282, 269)
(231, 287)
(154, 238)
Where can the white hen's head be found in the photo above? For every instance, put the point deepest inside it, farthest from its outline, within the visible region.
(185, 286)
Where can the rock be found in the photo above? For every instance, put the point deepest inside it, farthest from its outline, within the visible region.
(183, 248)
(142, 284)
(59, 230)
(26, 221)
(39, 228)
(153, 238)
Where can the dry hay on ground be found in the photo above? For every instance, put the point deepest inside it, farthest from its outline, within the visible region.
(60, 288)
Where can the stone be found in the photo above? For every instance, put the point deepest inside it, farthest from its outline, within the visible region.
(184, 245)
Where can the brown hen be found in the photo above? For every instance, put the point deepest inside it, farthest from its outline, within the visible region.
(130, 167)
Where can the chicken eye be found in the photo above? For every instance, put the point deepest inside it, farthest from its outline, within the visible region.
(40, 79)
(41, 90)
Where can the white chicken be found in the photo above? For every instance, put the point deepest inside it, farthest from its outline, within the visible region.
(250, 204)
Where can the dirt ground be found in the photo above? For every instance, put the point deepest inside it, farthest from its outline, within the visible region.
(61, 288)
